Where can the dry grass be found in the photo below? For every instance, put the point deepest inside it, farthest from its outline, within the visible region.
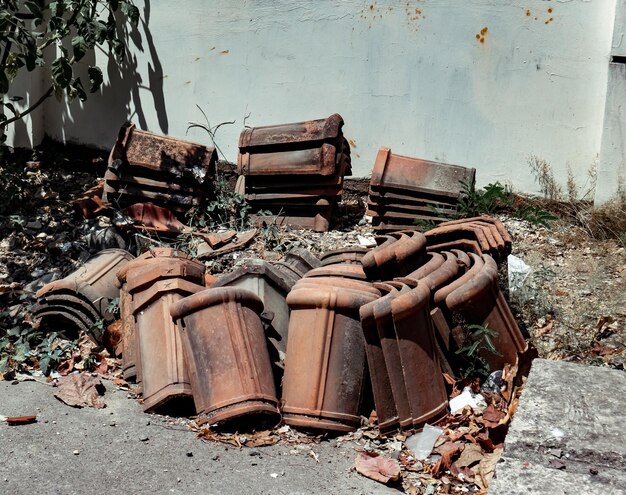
(607, 221)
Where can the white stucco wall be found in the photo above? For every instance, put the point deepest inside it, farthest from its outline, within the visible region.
(27, 131)
(410, 75)
(612, 166)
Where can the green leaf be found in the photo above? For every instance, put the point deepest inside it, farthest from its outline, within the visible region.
(4, 83)
(100, 31)
(490, 345)
(80, 47)
(118, 48)
(14, 332)
(95, 78)
(22, 350)
(34, 9)
(11, 107)
(4, 364)
(62, 72)
(76, 90)
(56, 8)
(44, 364)
(473, 348)
(132, 12)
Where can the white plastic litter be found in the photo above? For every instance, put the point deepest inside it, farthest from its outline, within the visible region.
(366, 241)
(518, 272)
(468, 398)
(422, 443)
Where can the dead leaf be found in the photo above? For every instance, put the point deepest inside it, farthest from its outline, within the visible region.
(486, 442)
(261, 439)
(120, 382)
(4, 288)
(556, 464)
(448, 379)
(113, 335)
(86, 346)
(412, 490)
(67, 366)
(486, 468)
(513, 406)
(493, 417)
(212, 436)
(80, 390)
(371, 434)
(464, 474)
(373, 419)
(509, 373)
(377, 467)
(544, 329)
(447, 451)
(471, 455)
(102, 368)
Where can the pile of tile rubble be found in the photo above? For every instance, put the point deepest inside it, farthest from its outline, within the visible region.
(305, 340)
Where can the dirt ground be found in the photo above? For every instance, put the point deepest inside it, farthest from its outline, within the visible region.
(573, 302)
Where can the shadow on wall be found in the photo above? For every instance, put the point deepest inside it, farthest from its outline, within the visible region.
(126, 96)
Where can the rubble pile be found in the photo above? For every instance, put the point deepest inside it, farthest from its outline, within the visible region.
(391, 325)
(399, 307)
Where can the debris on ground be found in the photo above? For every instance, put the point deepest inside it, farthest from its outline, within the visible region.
(436, 406)
(80, 390)
(18, 420)
(377, 467)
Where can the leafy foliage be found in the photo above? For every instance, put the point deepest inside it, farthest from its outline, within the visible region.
(228, 209)
(478, 342)
(535, 215)
(13, 184)
(29, 30)
(485, 201)
(497, 197)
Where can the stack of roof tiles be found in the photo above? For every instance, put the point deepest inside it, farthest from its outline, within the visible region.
(293, 173)
(81, 300)
(479, 235)
(146, 167)
(404, 189)
(325, 365)
(412, 332)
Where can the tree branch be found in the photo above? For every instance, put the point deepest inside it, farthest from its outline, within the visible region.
(20, 115)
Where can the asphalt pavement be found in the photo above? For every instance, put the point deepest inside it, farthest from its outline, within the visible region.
(121, 450)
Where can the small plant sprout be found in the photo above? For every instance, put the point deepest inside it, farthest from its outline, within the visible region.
(477, 342)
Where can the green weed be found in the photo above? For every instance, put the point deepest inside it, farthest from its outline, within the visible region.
(477, 343)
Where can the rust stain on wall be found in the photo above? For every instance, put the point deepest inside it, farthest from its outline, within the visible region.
(550, 10)
(371, 12)
(482, 35)
(413, 14)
